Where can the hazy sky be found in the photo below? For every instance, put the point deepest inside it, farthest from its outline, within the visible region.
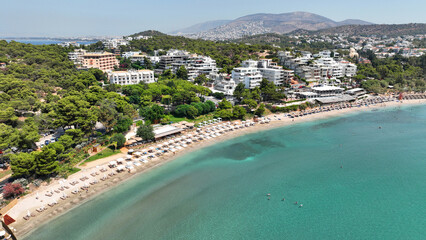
(122, 17)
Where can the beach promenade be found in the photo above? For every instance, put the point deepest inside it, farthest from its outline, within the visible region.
(60, 195)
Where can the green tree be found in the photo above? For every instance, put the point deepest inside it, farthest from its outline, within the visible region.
(224, 114)
(252, 104)
(146, 132)
(22, 164)
(224, 104)
(238, 92)
(152, 113)
(107, 113)
(147, 63)
(260, 110)
(182, 73)
(211, 105)
(123, 124)
(74, 111)
(46, 163)
(201, 79)
(118, 139)
(191, 112)
(66, 141)
(239, 112)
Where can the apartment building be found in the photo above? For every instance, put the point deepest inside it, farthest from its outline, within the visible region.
(270, 71)
(321, 69)
(104, 61)
(197, 65)
(77, 56)
(129, 54)
(115, 43)
(131, 77)
(251, 77)
(171, 57)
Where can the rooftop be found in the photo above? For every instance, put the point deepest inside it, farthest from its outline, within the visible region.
(166, 130)
(326, 88)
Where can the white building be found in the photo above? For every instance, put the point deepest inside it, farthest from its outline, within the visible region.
(197, 65)
(131, 77)
(225, 86)
(321, 69)
(77, 56)
(250, 76)
(273, 75)
(115, 43)
(137, 58)
(326, 91)
(129, 54)
(269, 70)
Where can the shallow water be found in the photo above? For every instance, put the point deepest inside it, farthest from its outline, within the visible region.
(220, 192)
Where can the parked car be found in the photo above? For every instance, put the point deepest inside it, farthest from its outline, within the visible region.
(46, 142)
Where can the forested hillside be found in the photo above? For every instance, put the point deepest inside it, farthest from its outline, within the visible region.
(227, 55)
(39, 90)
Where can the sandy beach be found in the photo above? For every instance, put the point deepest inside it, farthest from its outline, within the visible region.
(57, 197)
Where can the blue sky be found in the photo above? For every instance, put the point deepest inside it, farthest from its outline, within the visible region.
(122, 17)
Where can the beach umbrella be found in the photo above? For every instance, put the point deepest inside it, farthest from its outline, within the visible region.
(37, 196)
(54, 201)
(119, 160)
(128, 157)
(28, 213)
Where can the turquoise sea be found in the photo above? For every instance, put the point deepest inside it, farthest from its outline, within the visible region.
(220, 192)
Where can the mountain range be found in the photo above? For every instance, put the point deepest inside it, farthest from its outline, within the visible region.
(262, 23)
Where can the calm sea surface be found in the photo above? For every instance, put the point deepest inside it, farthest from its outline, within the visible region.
(45, 42)
(220, 192)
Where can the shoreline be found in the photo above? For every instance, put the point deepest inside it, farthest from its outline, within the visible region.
(31, 201)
